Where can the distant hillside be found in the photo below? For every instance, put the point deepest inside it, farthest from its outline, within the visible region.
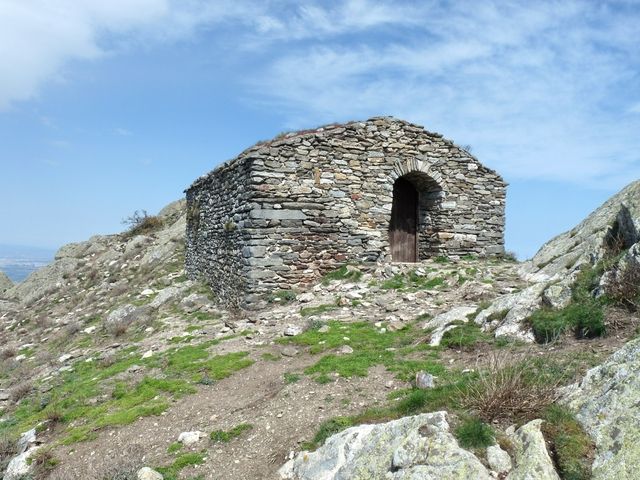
(18, 261)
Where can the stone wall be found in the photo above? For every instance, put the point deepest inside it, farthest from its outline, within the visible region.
(286, 211)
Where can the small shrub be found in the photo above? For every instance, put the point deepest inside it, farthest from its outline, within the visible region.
(123, 467)
(624, 287)
(585, 318)
(547, 325)
(141, 223)
(474, 433)
(7, 353)
(441, 259)
(465, 335)
(43, 462)
(20, 391)
(8, 450)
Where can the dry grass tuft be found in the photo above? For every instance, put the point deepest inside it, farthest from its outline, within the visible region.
(505, 391)
(624, 287)
(7, 353)
(20, 391)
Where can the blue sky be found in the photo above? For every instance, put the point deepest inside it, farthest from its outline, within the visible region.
(109, 107)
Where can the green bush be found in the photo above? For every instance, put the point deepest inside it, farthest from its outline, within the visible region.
(547, 325)
(586, 319)
(474, 433)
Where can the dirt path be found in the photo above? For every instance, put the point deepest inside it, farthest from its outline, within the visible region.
(282, 415)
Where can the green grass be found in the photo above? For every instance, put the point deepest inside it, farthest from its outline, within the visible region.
(225, 436)
(270, 357)
(292, 377)
(571, 447)
(465, 335)
(89, 398)
(342, 273)
(370, 347)
(474, 433)
(184, 460)
(586, 319)
(174, 447)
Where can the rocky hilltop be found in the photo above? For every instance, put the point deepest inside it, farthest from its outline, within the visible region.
(115, 365)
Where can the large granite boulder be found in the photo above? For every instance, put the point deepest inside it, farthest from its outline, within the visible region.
(417, 448)
(607, 405)
(412, 447)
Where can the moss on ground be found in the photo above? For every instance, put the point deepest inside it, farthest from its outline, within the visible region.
(370, 347)
(226, 436)
(172, 472)
(93, 395)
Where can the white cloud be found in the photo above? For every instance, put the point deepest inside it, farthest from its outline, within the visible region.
(38, 38)
(539, 89)
(123, 132)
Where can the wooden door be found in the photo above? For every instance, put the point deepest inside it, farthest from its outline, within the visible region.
(404, 222)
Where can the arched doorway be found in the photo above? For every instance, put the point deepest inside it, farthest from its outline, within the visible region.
(403, 227)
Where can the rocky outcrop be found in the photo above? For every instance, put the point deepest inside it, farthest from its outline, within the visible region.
(615, 224)
(412, 447)
(418, 447)
(20, 466)
(531, 456)
(107, 251)
(446, 321)
(611, 229)
(5, 282)
(606, 404)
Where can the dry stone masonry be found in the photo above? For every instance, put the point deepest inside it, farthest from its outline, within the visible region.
(285, 211)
